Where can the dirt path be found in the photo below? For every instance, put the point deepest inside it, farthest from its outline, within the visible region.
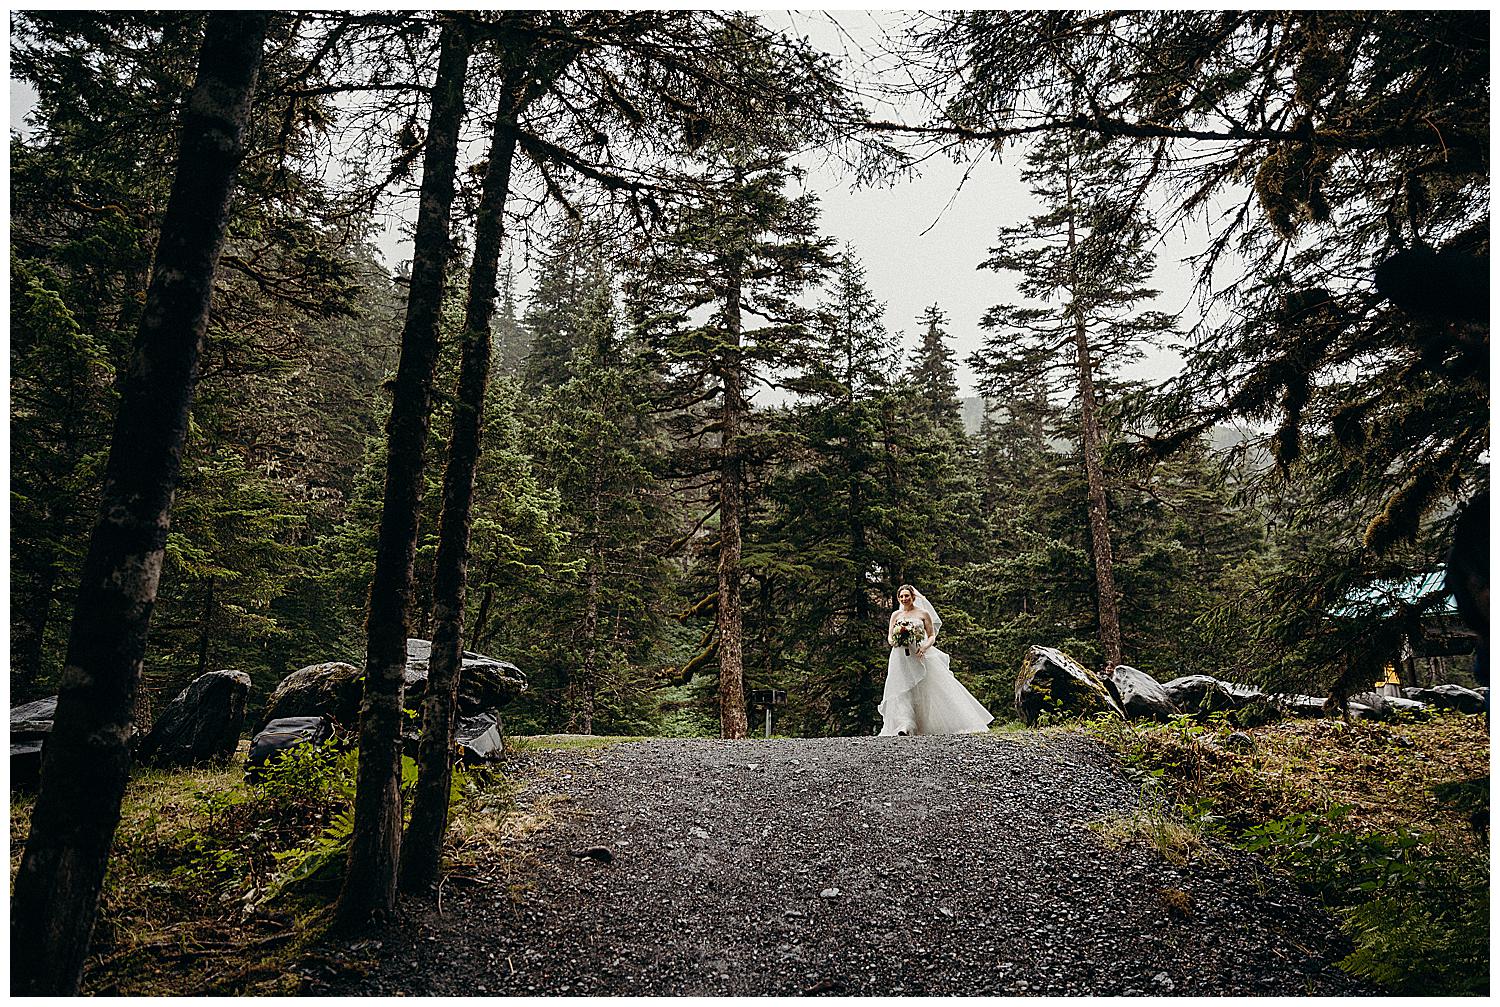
(858, 866)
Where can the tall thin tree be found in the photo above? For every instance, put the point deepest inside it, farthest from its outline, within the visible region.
(87, 759)
(374, 855)
(1088, 249)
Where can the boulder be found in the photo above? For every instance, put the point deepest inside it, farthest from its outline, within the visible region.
(1052, 682)
(1204, 694)
(1239, 741)
(330, 690)
(202, 724)
(484, 683)
(1139, 695)
(30, 723)
(480, 738)
(1374, 706)
(1301, 706)
(280, 736)
(1449, 697)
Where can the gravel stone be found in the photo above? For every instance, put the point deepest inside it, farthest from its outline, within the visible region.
(990, 829)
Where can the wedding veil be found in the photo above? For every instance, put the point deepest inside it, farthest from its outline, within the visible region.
(922, 604)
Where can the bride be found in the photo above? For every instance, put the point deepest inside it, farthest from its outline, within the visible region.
(921, 694)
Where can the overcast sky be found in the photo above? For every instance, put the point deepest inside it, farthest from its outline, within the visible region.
(920, 240)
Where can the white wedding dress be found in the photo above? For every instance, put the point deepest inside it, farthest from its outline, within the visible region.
(923, 697)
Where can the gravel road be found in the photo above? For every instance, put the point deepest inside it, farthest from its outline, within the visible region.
(854, 866)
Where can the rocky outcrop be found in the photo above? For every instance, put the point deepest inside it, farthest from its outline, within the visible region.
(281, 736)
(330, 690)
(202, 724)
(1140, 695)
(30, 723)
(1052, 682)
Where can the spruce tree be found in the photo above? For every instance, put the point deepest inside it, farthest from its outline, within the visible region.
(1088, 254)
(833, 505)
(369, 889)
(741, 251)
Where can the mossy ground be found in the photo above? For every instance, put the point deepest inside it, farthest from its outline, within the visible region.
(1385, 822)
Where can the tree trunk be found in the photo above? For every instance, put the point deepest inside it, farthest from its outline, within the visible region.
(87, 758)
(370, 880)
(421, 856)
(1093, 464)
(732, 717)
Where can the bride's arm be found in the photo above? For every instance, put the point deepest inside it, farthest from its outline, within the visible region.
(890, 630)
(931, 640)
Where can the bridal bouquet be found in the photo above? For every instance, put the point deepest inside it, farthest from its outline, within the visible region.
(907, 636)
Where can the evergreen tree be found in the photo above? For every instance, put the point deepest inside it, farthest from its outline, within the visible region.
(369, 889)
(834, 508)
(743, 249)
(1089, 251)
(935, 376)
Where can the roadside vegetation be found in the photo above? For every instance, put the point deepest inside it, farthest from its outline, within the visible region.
(1386, 823)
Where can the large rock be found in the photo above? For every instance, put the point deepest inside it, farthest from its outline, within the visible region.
(202, 724)
(330, 690)
(484, 683)
(1448, 697)
(30, 724)
(1375, 706)
(1052, 682)
(1302, 706)
(480, 738)
(281, 736)
(1140, 695)
(1204, 694)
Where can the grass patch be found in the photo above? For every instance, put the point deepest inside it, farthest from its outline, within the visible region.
(1176, 840)
(1376, 819)
(568, 742)
(217, 886)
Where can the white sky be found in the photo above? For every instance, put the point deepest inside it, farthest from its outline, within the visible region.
(920, 240)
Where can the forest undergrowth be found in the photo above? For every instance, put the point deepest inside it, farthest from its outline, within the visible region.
(1386, 823)
(219, 885)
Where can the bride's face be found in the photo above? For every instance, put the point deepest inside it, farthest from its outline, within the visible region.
(905, 598)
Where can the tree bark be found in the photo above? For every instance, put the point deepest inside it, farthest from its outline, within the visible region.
(422, 849)
(732, 717)
(369, 890)
(87, 759)
(1093, 464)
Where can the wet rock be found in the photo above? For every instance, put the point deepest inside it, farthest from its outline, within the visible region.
(1140, 695)
(281, 736)
(480, 738)
(331, 690)
(1202, 694)
(30, 724)
(1302, 706)
(484, 683)
(201, 724)
(1448, 697)
(1374, 706)
(1239, 741)
(1052, 682)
